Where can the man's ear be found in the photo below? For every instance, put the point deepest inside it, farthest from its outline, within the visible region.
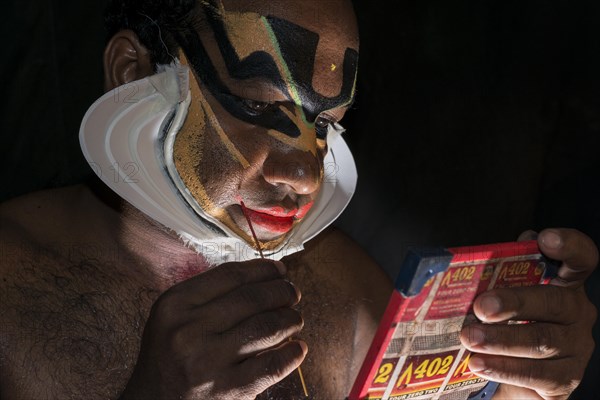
(126, 59)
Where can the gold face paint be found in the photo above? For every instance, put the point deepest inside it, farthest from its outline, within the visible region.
(189, 151)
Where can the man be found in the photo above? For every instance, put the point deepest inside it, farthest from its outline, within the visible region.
(101, 301)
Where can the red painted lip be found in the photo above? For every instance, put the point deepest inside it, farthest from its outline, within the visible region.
(270, 222)
(280, 212)
(304, 209)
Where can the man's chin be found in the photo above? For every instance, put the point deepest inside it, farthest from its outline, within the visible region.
(267, 239)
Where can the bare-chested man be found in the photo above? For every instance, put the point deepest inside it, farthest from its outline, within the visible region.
(100, 301)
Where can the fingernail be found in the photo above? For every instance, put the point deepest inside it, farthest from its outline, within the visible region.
(528, 235)
(476, 364)
(303, 346)
(298, 294)
(552, 240)
(476, 336)
(281, 267)
(490, 304)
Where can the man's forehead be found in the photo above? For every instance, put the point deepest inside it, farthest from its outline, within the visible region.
(309, 40)
(330, 19)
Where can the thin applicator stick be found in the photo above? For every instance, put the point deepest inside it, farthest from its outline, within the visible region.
(302, 380)
(259, 248)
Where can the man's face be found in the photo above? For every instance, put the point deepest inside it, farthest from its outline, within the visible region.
(269, 77)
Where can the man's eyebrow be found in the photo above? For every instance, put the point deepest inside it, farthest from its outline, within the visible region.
(256, 68)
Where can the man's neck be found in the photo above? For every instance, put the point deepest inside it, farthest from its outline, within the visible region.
(152, 249)
(159, 248)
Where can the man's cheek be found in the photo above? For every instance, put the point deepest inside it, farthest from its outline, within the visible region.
(221, 184)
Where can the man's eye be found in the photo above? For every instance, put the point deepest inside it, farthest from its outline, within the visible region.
(322, 125)
(256, 106)
(323, 122)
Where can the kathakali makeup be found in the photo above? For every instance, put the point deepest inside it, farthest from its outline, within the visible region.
(256, 127)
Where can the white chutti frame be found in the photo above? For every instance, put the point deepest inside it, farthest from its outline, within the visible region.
(127, 137)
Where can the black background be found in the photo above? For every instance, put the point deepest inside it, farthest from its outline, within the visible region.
(475, 120)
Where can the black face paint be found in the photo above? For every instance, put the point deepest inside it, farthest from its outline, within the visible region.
(260, 64)
(301, 61)
(204, 68)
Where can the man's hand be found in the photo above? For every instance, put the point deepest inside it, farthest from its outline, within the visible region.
(220, 335)
(545, 359)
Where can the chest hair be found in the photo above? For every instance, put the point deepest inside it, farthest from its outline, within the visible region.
(72, 327)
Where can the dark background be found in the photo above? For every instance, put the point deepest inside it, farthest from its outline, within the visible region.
(475, 120)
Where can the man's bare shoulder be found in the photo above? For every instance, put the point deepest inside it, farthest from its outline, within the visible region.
(33, 231)
(40, 213)
(339, 258)
(36, 227)
(44, 236)
(25, 293)
(51, 222)
(58, 316)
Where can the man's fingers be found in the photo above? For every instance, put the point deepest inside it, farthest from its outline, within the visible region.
(539, 340)
(223, 279)
(200, 340)
(262, 332)
(550, 378)
(577, 251)
(248, 300)
(256, 374)
(536, 303)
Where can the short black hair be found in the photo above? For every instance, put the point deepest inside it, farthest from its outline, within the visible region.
(154, 22)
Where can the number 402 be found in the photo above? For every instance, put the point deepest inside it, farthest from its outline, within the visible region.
(427, 368)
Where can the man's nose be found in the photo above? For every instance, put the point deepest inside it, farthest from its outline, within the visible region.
(301, 170)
